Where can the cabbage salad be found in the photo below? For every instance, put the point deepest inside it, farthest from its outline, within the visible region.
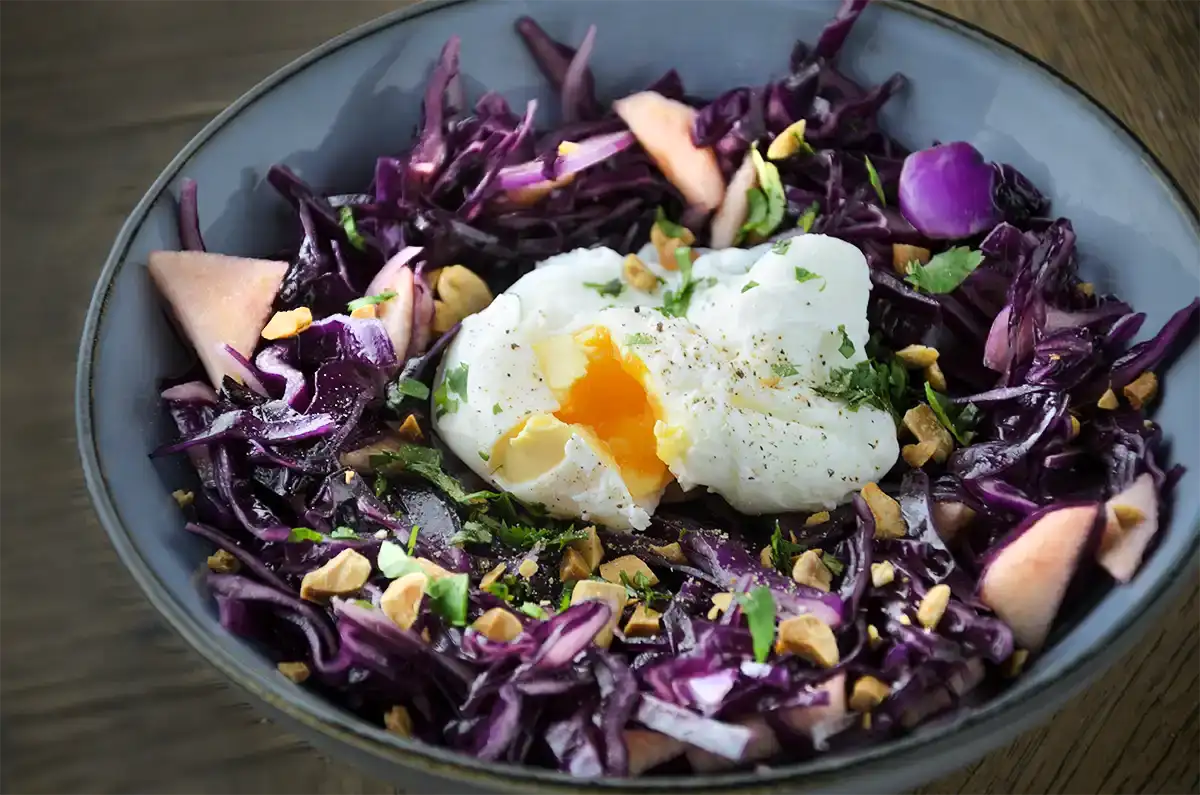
(686, 435)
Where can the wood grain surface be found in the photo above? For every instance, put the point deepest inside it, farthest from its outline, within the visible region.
(96, 694)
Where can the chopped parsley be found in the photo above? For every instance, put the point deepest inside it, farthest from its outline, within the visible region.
(534, 610)
(448, 598)
(305, 534)
(496, 408)
(783, 550)
(868, 383)
(876, 183)
(781, 247)
(343, 532)
(846, 348)
(412, 538)
(959, 420)
(804, 275)
(639, 587)
(565, 600)
(670, 228)
(426, 462)
(370, 300)
(483, 456)
(808, 217)
(610, 288)
(784, 369)
(768, 203)
(639, 339)
(514, 524)
(675, 302)
(833, 564)
(944, 272)
(411, 387)
(750, 285)
(454, 382)
(346, 216)
(759, 608)
(381, 485)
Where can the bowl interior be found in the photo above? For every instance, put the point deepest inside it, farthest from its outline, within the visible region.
(330, 118)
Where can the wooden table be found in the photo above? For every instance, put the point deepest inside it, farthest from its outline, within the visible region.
(97, 694)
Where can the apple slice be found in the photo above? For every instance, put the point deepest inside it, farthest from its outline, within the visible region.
(1026, 579)
(216, 301)
(1132, 521)
(664, 129)
(735, 207)
(396, 314)
(648, 749)
(762, 745)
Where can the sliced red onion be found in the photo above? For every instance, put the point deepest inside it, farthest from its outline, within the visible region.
(946, 191)
(584, 154)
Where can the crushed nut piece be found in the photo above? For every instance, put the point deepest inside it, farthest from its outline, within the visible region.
(1075, 427)
(491, 576)
(460, 293)
(398, 721)
(643, 623)
(924, 424)
(223, 562)
(902, 254)
(809, 569)
(866, 721)
(767, 558)
(597, 591)
(589, 548)
(1128, 516)
(638, 274)
(183, 498)
(935, 377)
(904, 619)
(808, 637)
(666, 246)
(1015, 663)
(820, 517)
(283, 325)
(933, 606)
(629, 565)
(410, 429)
(498, 624)
(868, 693)
(296, 671)
(381, 534)
(1086, 288)
(364, 312)
(401, 602)
(573, 566)
(917, 356)
(882, 573)
(1108, 401)
(889, 522)
(872, 636)
(788, 142)
(349, 476)
(528, 568)
(672, 552)
(1141, 390)
(918, 455)
(343, 574)
(721, 603)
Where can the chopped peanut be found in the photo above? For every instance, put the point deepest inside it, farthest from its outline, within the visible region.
(398, 721)
(528, 568)
(410, 429)
(460, 293)
(951, 517)
(672, 552)
(905, 620)
(788, 142)
(721, 603)
(1108, 401)
(183, 498)
(666, 246)
(611, 594)
(868, 693)
(767, 558)
(808, 637)
(1015, 663)
(432, 570)
(809, 569)
(924, 424)
(345, 573)
(348, 476)
(643, 623)
(866, 721)
(889, 522)
(498, 624)
(1128, 516)
(283, 325)
(1086, 288)
(882, 573)
(296, 671)
(1142, 390)
(629, 565)
(1075, 426)
(573, 566)
(444, 318)
(918, 356)
(364, 312)
(223, 562)
(872, 636)
(492, 576)
(639, 276)
(820, 517)
(918, 455)
(935, 377)
(590, 549)
(401, 602)
(933, 606)
(903, 254)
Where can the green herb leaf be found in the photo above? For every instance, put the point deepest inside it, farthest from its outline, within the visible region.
(640, 588)
(808, 217)
(944, 272)
(772, 189)
(394, 562)
(346, 216)
(759, 608)
(783, 550)
(371, 300)
(534, 610)
(873, 176)
(343, 532)
(675, 302)
(669, 228)
(454, 383)
(412, 539)
(363, 603)
(496, 408)
(448, 598)
(846, 349)
(959, 420)
(784, 369)
(525, 537)
(472, 532)
(750, 285)
(411, 387)
(804, 275)
(565, 600)
(833, 564)
(639, 339)
(381, 485)
(611, 288)
(498, 589)
(427, 463)
(868, 383)
(781, 247)
(756, 213)
(305, 534)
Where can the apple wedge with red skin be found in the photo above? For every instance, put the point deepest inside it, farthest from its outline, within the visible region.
(217, 300)
(1025, 580)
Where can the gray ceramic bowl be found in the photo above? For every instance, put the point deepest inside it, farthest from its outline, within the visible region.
(329, 114)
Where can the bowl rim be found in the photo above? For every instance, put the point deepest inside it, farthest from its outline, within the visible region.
(967, 730)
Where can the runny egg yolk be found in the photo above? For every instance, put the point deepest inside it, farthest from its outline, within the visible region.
(602, 398)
